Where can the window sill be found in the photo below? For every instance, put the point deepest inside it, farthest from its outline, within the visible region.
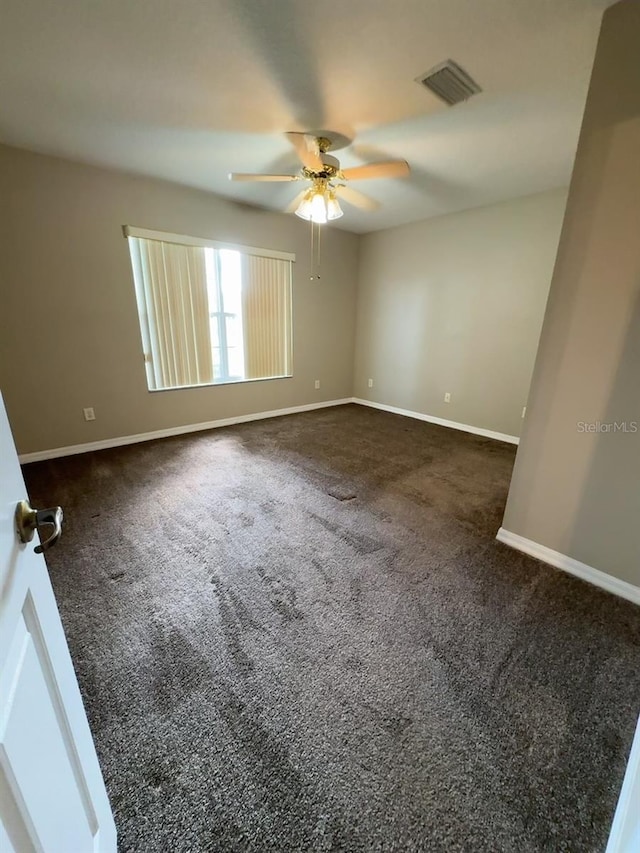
(219, 384)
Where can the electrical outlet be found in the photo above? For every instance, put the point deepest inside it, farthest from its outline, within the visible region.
(370, 383)
(317, 384)
(447, 397)
(89, 414)
(524, 411)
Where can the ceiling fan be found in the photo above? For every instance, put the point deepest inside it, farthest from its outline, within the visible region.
(328, 182)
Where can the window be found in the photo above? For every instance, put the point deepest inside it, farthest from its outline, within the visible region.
(210, 313)
(224, 289)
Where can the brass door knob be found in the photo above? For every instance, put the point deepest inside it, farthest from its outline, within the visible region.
(29, 520)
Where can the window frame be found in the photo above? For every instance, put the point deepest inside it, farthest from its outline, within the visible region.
(203, 242)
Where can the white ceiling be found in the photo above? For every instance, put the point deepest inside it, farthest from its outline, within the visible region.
(191, 90)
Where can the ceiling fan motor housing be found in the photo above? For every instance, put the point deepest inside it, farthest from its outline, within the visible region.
(331, 164)
(331, 167)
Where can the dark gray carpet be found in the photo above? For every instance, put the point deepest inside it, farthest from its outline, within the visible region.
(300, 634)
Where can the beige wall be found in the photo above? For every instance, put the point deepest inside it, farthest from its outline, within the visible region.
(579, 492)
(69, 333)
(455, 304)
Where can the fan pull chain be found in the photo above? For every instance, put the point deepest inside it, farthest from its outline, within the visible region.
(312, 253)
(315, 251)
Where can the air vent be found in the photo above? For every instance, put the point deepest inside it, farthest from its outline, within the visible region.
(449, 82)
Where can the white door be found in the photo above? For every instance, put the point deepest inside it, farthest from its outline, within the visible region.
(52, 797)
(625, 830)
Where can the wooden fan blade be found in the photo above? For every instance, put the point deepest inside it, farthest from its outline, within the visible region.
(241, 176)
(356, 198)
(386, 169)
(307, 150)
(293, 204)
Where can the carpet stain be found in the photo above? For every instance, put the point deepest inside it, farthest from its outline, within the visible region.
(360, 543)
(233, 626)
(157, 774)
(326, 575)
(178, 666)
(282, 596)
(341, 493)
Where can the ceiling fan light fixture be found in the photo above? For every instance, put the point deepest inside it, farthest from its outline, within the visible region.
(334, 211)
(304, 208)
(318, 208)
(314, 206)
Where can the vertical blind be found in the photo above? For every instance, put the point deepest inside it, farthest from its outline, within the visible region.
(266, 317)
(172, 293)
(171, 285)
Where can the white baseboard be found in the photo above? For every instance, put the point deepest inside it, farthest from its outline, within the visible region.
(119, 441)
(72, 449)
(625, 830)
(486, 433)
(568, 564)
